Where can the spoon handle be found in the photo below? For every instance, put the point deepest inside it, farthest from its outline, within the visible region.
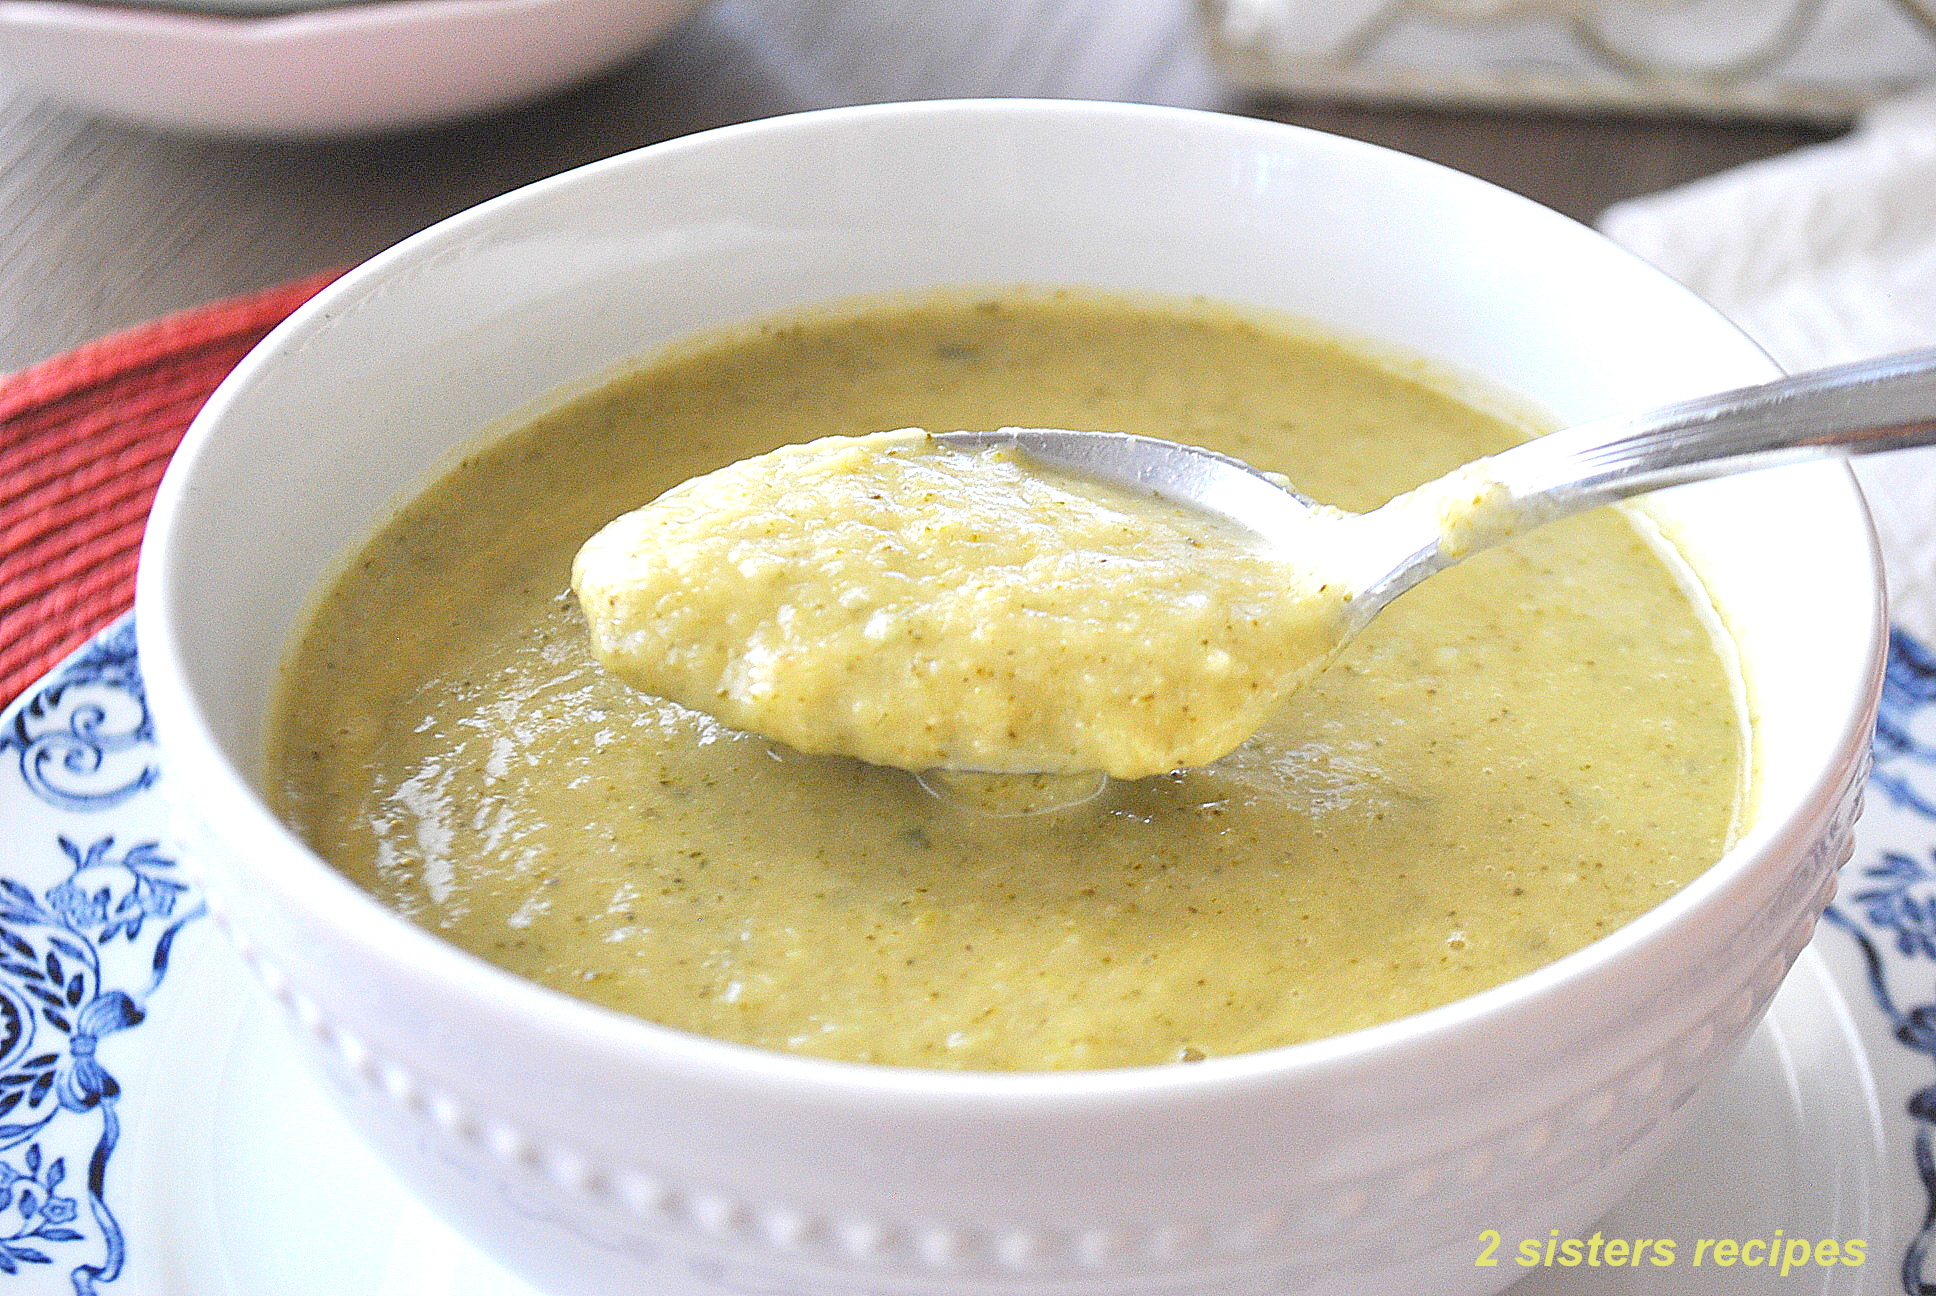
(1861, 408)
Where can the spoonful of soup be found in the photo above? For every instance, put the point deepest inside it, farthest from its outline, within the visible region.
(1052, 602)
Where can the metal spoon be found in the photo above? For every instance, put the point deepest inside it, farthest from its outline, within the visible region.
(1862, 408)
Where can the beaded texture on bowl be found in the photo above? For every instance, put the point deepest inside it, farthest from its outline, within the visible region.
(746, 1246)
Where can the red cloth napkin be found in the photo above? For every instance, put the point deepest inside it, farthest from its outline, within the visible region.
(84, 438)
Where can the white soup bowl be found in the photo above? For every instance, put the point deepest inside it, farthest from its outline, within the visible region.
(598, 1154)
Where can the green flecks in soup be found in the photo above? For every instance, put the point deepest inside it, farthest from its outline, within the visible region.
(1514, 759)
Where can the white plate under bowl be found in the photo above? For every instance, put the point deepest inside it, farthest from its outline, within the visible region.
(197, 1159)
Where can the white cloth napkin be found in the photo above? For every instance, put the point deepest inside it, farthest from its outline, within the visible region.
(1823, 255)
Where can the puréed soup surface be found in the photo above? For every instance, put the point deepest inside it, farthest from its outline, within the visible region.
(1517, 757)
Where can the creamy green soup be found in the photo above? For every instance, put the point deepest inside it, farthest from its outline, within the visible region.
(1514, 759)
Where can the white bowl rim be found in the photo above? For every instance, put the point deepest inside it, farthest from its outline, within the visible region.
(358, 916)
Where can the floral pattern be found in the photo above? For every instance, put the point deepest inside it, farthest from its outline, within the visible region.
(84, 740)
(1890, 907)
(79, 956)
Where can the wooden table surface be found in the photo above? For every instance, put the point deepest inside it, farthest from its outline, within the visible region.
(103, 225)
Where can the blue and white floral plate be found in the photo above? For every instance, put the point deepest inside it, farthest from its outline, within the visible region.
(157, 1137)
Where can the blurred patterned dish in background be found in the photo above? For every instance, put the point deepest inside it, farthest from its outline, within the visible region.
(1820, 60)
